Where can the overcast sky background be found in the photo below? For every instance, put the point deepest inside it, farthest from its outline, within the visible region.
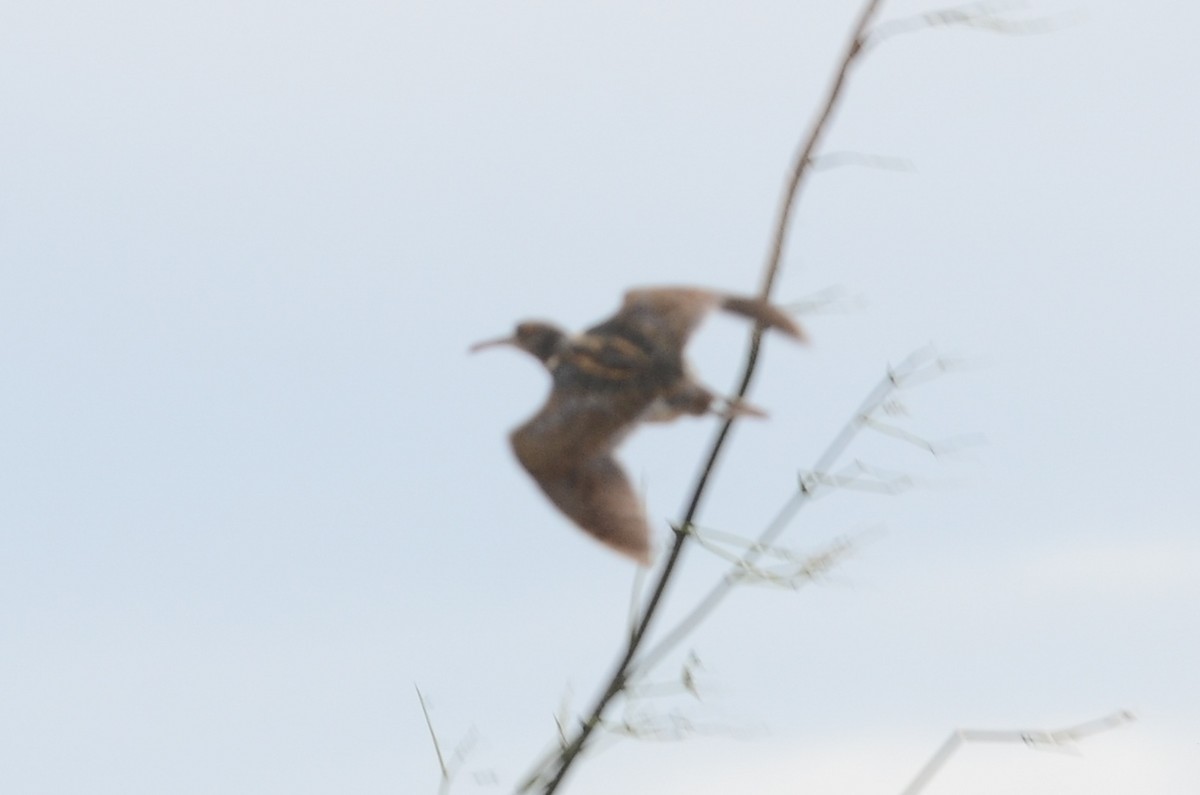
(252, 488)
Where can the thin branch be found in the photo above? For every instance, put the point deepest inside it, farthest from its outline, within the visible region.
(831, 300)
(639, 582)
(801, 167)
(449, 769)
(985, 16)
(831, 160)
(1060, 739)
(437, 747)
(562, 716)
(859, 476)
(797, 575)
(893, 380)
(788, 568)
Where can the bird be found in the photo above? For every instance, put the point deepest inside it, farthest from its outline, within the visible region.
(605, 382)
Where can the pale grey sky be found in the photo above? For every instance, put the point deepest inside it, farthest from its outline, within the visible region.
(253, 488)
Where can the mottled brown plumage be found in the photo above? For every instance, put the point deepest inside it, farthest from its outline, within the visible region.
(623, 371)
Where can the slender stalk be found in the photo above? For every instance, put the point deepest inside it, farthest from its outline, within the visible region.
(444, 782)
(801, 167)
(1033, 738)
(782, 519)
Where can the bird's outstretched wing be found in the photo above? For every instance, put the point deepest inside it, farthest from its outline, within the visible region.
(578, 422)
(666, 317)
(567, 447)
(596, 494)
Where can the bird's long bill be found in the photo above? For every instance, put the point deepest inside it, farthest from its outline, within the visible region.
(479, 346)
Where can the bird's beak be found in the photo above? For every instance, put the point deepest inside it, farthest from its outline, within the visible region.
(492, 344)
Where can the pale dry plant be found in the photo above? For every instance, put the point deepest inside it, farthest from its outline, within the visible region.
(762, 560)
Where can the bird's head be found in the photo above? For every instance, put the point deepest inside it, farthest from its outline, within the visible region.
(538, 339)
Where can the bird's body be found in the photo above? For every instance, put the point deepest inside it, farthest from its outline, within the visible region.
(619, 373)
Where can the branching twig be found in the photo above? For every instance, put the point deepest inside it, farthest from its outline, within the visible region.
(1061, 739)
(800, 169)
(907, 372)
(986, 16)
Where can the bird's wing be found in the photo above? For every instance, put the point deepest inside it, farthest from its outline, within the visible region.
(665, 315)
(596, 494)
(577, 422)
(670, 315)
(567, 447)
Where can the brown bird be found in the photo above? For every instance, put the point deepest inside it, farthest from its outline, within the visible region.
(625, 370)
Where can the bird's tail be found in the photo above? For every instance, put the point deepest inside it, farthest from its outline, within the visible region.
(766, 313)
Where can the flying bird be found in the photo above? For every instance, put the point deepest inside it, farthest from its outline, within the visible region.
(607, 380)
